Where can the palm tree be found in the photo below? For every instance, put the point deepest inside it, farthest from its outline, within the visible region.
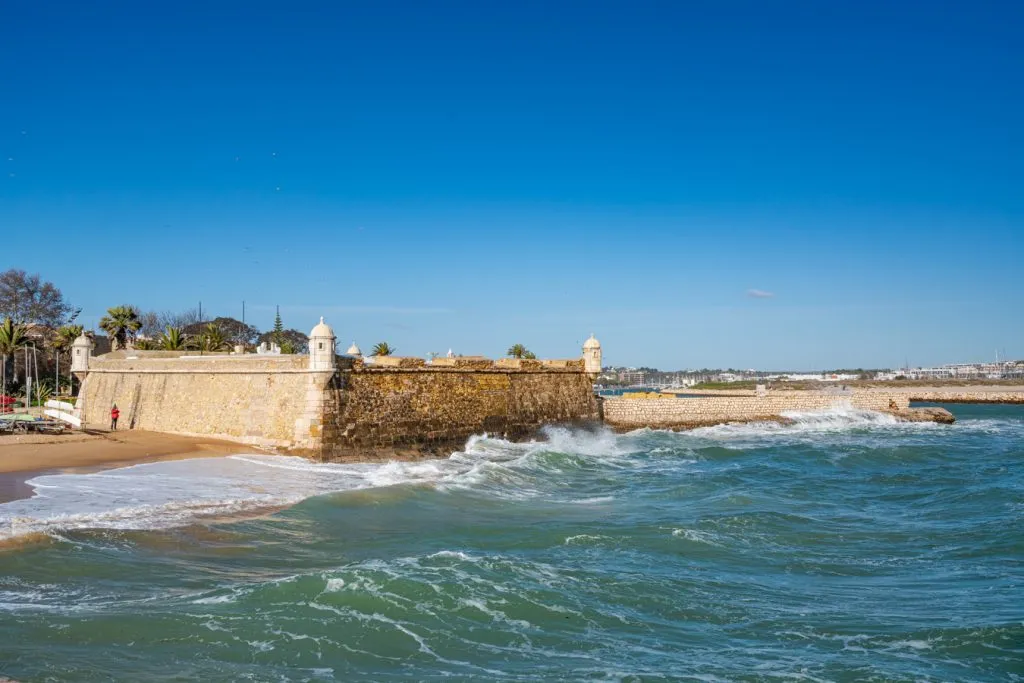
(383, 349)
(121, 323)
(65, 338)
(213, 339)
(62, 342)
(12, 337)
(517, 351)
(173, 339)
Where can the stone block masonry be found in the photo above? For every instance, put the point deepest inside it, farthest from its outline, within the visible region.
(687, 412)
(415, 411)
(264, 401)
(354, 410)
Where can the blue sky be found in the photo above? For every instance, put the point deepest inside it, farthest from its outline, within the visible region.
(469, 175)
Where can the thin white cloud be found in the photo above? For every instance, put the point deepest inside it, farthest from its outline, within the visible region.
(760, 294)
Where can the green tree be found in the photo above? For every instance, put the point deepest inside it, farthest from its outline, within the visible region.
(517, 351)
(65, 337)
(292, 341)
(383, 349)
(213, 339)
(62, 342)
(530, 355)
(278, 331)
(121, 323)
(236, 331)
(173, 339)
(12, 337)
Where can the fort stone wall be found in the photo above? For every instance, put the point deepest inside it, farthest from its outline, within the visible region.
(406, 408)
(354, 410)
(265, 401)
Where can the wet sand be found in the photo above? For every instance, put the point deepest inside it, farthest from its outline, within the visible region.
(23, 457)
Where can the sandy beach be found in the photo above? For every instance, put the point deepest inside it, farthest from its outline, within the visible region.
(23, 456)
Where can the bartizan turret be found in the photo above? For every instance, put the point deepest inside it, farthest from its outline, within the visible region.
(321, 347)
(354, 351)
(592, 356)
(81, 353)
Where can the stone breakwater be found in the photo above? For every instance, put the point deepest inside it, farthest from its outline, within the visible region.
(968, 396)
(973, 394)
(659, 411)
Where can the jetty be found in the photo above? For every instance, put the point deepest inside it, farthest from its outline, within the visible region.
(690, 409)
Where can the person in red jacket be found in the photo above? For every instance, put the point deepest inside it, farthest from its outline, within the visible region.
(114, 414)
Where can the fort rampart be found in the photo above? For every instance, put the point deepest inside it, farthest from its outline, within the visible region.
(351, 409)
(433, 409)
(266, 401)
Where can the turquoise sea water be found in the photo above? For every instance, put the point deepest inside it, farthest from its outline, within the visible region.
(845, 547)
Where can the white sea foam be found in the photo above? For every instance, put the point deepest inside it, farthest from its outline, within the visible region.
(169, 494)
(584, 539)
(805, 425)
(334, 585)
(696, 536)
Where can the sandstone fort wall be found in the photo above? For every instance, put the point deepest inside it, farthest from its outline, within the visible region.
(397, 406)
(259, 400)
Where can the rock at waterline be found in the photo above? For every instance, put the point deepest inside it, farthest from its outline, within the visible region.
(940, 415)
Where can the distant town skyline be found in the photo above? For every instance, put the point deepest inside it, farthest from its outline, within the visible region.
(737, 184)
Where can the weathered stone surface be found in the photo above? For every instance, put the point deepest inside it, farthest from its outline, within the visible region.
(666, 412)
(266, 401)
(940, 415)
(431, 411)
(952, 396)
(400, 408)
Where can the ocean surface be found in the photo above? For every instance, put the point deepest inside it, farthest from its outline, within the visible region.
(845, 547)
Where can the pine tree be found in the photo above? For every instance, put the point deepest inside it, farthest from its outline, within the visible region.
(278, 329)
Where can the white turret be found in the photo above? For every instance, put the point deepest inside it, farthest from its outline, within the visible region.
(81, 352)
(592, 356)
(321, 347)
(354, 351)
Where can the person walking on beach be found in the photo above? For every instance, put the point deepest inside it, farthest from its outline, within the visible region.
(114, 414)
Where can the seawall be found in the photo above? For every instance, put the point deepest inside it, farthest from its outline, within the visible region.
(420, 410)
(660, 411)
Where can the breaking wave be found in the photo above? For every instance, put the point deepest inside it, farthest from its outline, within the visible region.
(842, 546)
(176, 493)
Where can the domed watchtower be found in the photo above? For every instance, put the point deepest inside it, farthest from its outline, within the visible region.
(354, 351)
(321, 347)
(81, 352)
(592, 356)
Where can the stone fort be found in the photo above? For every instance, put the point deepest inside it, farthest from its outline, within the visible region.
(332, 406)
